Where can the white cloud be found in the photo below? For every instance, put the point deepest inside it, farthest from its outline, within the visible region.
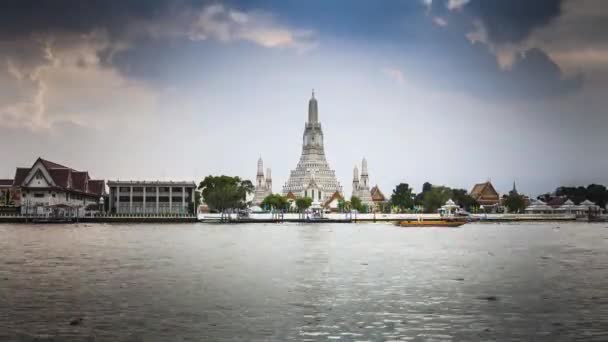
(229, 25)
(456, 4)
(439, 21)
(588, 57)
(394, 74)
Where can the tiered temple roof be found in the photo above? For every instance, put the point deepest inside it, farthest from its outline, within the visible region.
(485, 194)
(377, 195)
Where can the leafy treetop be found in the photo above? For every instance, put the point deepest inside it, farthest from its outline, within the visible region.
(225, 192)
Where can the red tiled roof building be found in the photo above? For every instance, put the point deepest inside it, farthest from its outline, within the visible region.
(47, 185)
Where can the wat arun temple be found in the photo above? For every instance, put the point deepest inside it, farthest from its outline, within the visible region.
(312, 176)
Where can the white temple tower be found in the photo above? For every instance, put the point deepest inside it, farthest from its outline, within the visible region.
(361, 185)
(269, 180)
(355, 179)
(312, 176)
(263, 185)
(364, 175)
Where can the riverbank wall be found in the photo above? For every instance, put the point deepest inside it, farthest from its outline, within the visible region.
(99, 219)
(289, 217)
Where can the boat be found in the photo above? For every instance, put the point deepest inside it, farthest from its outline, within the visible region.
(450, 215)
(217, 217)
(440, 222)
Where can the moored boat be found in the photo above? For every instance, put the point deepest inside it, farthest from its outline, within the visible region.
(447, 222)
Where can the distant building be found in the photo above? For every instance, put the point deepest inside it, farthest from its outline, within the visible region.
(10, 196)
(557, 201)
(48, 188)
(486, 195)
(263, 184)
(539, 207)
(361, 185)
(513, 191)
(312, 176)
(291, 199)
(151, 197)
(378, 198)
(583, 209)
(333, 203)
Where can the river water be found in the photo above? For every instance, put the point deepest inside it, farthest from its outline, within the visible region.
(340, 282)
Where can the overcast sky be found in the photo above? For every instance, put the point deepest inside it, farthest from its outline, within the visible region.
(451, 92)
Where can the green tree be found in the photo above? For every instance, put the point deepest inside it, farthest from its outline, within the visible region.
(576, 194)
(463, 199)
(515, 203)
(436, 197)
(355, 203)
(344, 205)
(597, 194)
(225, 192)
(594, 192)
(275, 201)
(545, 197)
(303, 203)
(426, 187)
(402, 197)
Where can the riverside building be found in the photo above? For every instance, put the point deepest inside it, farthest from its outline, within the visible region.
(52, 189)
(486, 195)
(312, 176)
(263, 184)
(361, 185)
(151, 197)
(9, 196)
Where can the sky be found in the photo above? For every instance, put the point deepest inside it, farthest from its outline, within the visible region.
(453, 92)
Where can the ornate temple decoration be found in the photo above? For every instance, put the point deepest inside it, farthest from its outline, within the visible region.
(361, 185)
(312, 176)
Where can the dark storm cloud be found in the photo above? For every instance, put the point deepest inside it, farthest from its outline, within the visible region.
(442, 55)
(29, 25)
(157, 60)
(511, 21)
(26, 17)
(473, 67)
(534, 73)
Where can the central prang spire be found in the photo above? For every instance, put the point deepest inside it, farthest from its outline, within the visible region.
(312, 177)
(313, 111)
(313, 133)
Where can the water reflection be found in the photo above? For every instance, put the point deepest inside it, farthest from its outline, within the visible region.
(300, 282)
